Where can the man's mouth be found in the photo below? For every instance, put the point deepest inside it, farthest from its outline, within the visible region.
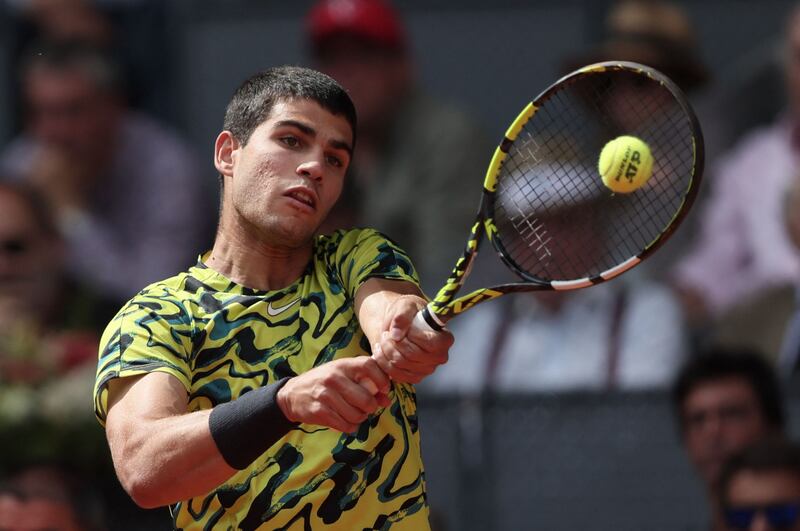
(303, 196)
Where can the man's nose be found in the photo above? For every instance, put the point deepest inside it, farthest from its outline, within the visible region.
(311, 168)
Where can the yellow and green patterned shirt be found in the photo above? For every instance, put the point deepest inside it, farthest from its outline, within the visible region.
(221, 340)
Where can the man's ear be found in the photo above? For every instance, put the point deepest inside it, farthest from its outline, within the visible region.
(224, 150)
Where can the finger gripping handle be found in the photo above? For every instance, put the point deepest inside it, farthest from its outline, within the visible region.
(423, 321)
(369, 386)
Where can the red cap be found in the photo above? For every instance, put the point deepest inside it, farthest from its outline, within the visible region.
(373, 20)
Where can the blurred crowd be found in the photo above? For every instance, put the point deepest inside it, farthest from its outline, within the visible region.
(100, 195)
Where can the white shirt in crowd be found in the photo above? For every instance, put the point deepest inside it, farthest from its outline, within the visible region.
(572, 349)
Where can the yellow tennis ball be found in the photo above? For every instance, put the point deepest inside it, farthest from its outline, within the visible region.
(625, 164)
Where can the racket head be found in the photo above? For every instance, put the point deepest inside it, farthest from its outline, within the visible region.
(544, 178)
(545, 209)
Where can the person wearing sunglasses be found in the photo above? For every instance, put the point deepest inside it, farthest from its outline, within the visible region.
(48, 321)
(725, 400)
(128, 194)
(760, 488)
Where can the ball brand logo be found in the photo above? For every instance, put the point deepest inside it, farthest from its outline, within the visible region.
(629, 166)
(633, 165)
(277, 310)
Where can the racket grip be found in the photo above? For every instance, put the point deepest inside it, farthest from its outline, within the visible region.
(424, 321)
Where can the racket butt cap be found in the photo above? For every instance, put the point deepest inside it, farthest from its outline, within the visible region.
(425, 320)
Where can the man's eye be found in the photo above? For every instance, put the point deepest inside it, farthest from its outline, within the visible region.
(290, 141)
(334, 161)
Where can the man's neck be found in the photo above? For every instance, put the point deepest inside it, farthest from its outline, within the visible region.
(247, 260)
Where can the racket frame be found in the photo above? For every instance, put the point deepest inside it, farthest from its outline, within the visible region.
(444, 305)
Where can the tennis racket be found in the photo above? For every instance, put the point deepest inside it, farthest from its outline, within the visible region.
(544, 206)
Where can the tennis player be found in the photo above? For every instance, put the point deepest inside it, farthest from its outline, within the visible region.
(238, 392)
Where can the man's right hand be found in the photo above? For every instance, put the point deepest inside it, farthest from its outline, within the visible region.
(331, 395)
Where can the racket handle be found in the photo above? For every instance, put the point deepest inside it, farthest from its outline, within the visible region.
(424, 320)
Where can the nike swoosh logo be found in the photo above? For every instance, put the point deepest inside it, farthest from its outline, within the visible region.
(277, 310)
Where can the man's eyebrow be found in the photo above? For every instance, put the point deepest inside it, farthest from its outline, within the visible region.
(340, 144)
(307, 129)
(310, 131)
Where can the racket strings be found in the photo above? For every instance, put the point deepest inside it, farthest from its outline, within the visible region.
(662, 207)
(555, 219)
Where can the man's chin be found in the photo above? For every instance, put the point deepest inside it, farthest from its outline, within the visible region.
(294, 236)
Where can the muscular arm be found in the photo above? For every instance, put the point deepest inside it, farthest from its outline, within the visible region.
(161, 453)
(386, 309)
(164, 454)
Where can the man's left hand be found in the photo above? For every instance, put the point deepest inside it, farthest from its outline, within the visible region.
(409, 353)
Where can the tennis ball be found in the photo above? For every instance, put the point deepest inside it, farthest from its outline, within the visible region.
(625, 164)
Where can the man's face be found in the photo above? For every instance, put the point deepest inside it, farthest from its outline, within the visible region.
(67, 112)
(750, 489)
(28, 258)
(290, 173)
(721, 417)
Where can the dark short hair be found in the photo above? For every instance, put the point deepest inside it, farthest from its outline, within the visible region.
(721, 363)
(768, 455)
(254, 99)
(98, 64)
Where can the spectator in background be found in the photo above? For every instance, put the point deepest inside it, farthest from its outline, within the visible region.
(134, 31)
(49, 497)
(725, 401)
(760, 488)
(31, 21)
(652, 32)
(22, 512)
(124, 190)
(49, 335)
(69, 20)
(743, 248)
(417, 159)
(47, 321)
